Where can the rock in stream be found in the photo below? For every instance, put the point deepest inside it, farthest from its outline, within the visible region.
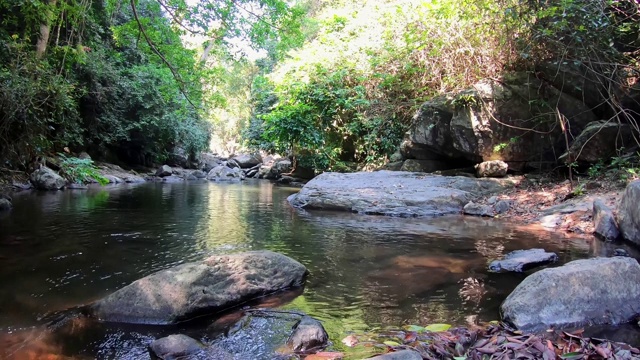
(193, 289)
(393, 193)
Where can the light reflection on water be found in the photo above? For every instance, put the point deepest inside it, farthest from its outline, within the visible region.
(64, 249)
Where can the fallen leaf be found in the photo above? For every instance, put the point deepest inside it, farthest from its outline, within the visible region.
(438, 327)
(416, 328)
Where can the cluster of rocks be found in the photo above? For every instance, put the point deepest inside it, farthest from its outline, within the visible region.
(236, 168)
(490, 124)
(208, 166)
(215, 285)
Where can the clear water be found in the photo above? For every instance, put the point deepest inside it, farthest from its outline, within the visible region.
(59, 250)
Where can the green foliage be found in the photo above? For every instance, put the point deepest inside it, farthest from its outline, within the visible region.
(111, 83)
(80, 171)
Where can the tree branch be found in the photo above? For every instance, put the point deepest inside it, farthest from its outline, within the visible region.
(175, 73)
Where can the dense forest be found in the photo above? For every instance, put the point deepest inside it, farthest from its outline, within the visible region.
(334, 83)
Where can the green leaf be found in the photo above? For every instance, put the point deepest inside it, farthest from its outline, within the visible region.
(572, 356)
(438, 327)
(391, 343)
(416, 328)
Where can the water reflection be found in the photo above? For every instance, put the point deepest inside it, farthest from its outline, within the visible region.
(64, 249)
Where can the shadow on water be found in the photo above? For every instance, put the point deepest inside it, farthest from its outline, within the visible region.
(64, 249)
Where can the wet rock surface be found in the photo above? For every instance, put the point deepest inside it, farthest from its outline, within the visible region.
(393, 193)
(176, 347)
(308, 335)
(193, 289)
(592, 291)
(521, 260)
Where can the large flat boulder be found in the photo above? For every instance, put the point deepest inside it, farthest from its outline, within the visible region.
(199, 288)
(592, 291)
(394, 193)
(629, 213)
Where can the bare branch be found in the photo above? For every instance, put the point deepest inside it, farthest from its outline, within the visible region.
(153, 47)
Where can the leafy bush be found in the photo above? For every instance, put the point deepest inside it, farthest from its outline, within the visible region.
(80, 171)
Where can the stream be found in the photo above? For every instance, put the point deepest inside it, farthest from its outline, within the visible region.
(60, 250)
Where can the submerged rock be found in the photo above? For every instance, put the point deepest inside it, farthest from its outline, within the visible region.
(521, 260)
(629, 213)
(592, 291)
(176, 347)
(393, 193)
(47, 179)
(189, 290)
(308, 335)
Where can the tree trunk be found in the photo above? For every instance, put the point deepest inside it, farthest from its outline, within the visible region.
(207, 50)
(45, 30)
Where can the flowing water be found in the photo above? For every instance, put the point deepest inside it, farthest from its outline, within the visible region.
(60, 250)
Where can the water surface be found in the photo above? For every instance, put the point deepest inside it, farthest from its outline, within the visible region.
(59, 250)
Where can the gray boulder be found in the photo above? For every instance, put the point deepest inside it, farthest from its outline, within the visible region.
(399, 355)
(193, 289)
(629, 213)
(491, 118)
(521, 260)
(47, 179)
(113, 179)
(224, 173)
(164, 170)
(176, 347)
(208, 161)
(247, 161)
(308, 335)
(476, 209)
(599, 140)
(274, 169)
(179, 158)
(604, 221)
(502, 206)
(394, 193)
(493, 168)
(592, 291)
(199, 174)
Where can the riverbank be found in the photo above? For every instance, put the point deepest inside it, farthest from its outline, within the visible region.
(555, 204)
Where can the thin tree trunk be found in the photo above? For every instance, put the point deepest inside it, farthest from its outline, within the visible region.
(45, 30)
(207, 50)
